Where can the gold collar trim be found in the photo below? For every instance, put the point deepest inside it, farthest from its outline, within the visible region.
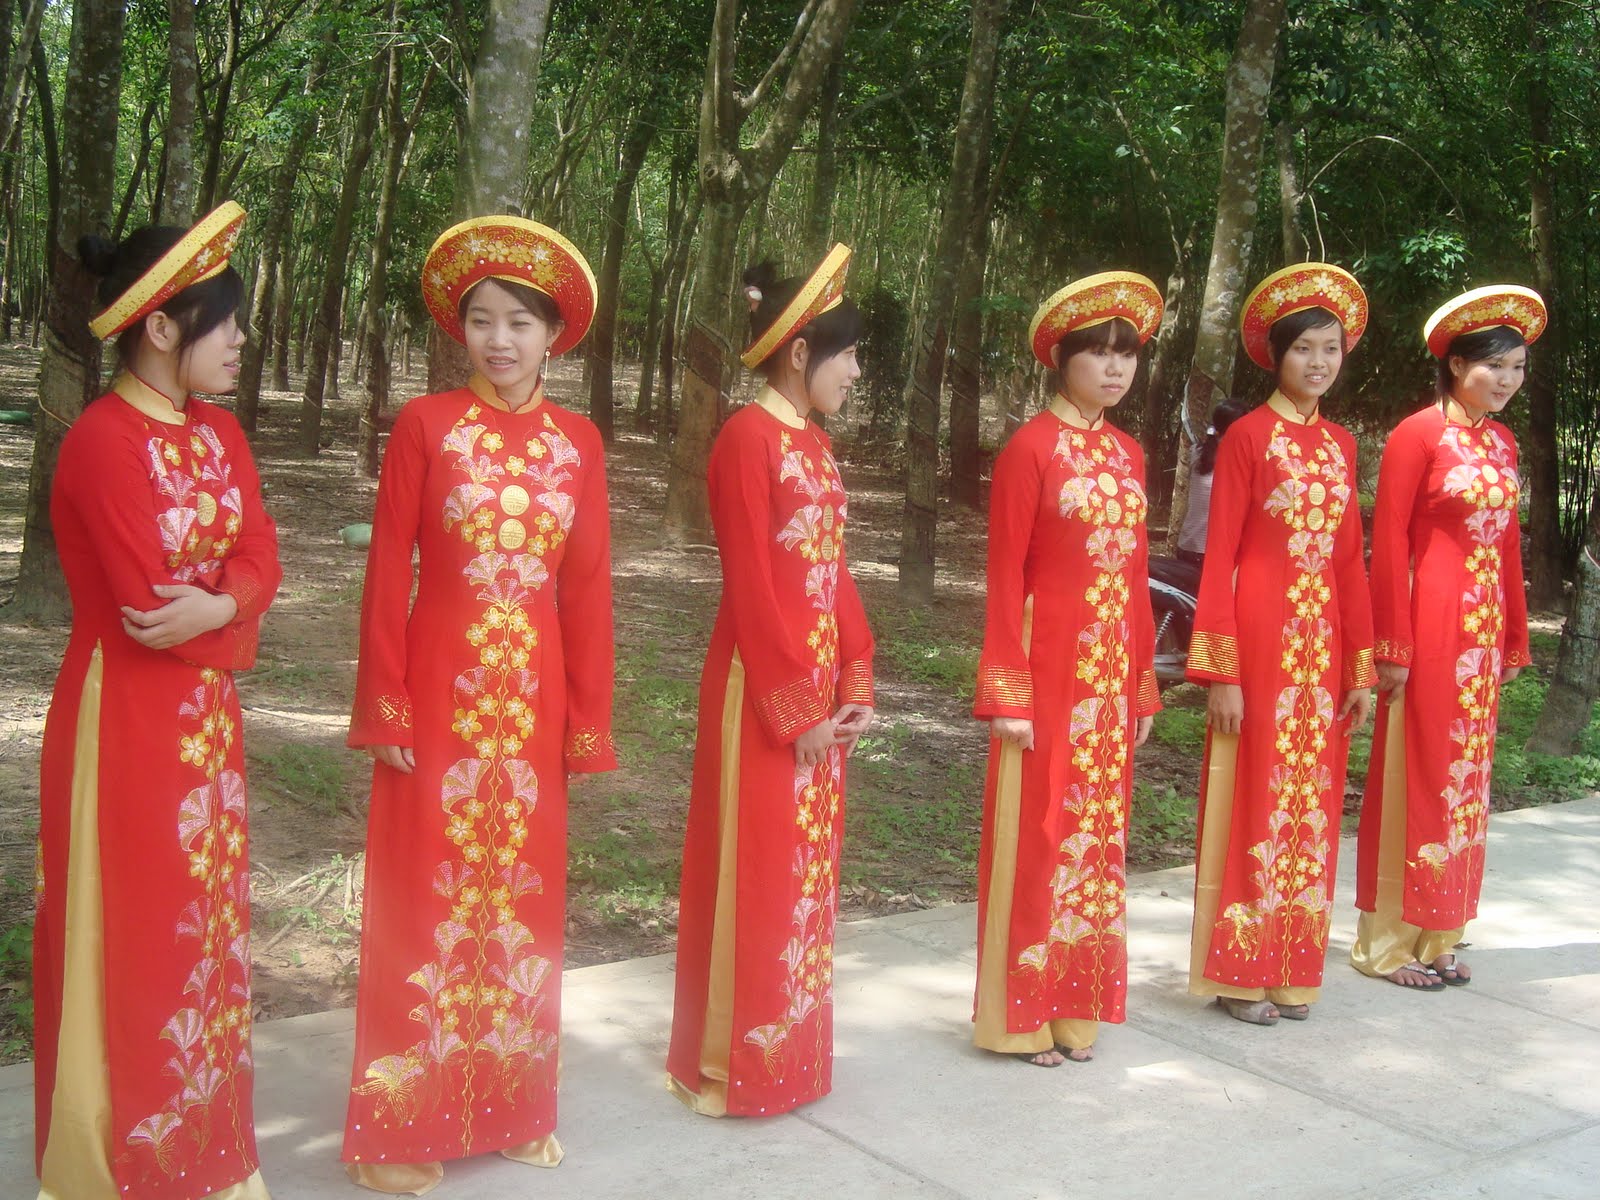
(484, 390)
(1285, 408)
(776, 403)
(1069, 413)
(1453, 406)
(153, 404)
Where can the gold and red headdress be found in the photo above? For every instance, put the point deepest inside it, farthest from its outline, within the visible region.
(1483, 308)
(821, 292)
(198, 255)
(1094, 300)
(516, 250)
(1295, 289)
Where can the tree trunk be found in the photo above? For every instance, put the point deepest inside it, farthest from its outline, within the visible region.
(1294, 241)
(268, 315)
(326, 326)
(1244, 119)
(918, 531)
(732, 175)
(500, 105)
(677, 273)
(966, 372)
(13, 87)
(220, 96)
(176, 206)
(603, 333)
(825, 176)
(1575, 684)
(1163, 393)
(399, 134)
(1547, 556)
(69, 367)
(283, 315)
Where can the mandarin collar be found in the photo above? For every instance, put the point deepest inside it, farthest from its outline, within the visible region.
(484, 390)
(1069, 414)
(158, 406)
(1285, 408)
(779, 406)
(1462, 423)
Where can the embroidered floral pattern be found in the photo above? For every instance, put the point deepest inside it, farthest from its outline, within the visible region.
(1484, 482)
(816, 534)
(1290, 884)
(210, 1033)
(1088, 901)
(199, 509)
(482, 996)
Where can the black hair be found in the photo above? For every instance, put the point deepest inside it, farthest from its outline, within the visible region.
(826, 333)
(197, 309)
(1287, 330)
(1223, 415)
(531, 298)
(1118, 334)
(1480, 345)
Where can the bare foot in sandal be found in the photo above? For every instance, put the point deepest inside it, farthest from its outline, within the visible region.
(1044, 1058)
(1068, 1054)
(1415, 975)
(1452, 971)
(1251, 1012)
(1295, 1012)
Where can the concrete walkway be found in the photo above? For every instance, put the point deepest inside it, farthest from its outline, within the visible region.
(1489, 1090)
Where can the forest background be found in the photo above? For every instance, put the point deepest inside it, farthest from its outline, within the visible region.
(977, 154)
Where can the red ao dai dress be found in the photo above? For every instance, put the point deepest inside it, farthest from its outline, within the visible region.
(752, 1030)
(1448, 603)
(1284, 612)
(500, 680)
(143, 1075)
(1069, 645)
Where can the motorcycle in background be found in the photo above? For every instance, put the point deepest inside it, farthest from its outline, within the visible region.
(1174, 595)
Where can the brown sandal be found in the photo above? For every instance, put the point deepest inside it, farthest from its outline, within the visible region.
(1251, 1012)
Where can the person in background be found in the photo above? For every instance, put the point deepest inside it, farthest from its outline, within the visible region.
(1197, 518)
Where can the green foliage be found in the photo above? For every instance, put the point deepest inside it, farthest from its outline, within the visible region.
(929, 658)
(16, 982)
(1161, 831)
(1180, 728)
(313, 775)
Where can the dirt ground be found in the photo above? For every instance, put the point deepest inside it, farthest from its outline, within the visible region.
(916, 786)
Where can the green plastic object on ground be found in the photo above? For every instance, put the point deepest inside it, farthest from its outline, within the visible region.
(16, 416)
(358, 537)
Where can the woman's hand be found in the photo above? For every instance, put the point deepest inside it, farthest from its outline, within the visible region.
(849, 724)
(1141, 731)
(189, 612)
(399, 758)
(1018, 731)
(1356, 709)
(1510, 673)
(812, 746)
(1392, 679)
(1225, 708)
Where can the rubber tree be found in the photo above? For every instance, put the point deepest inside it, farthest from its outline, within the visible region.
(734, 172)
(1249, 87)
(69, 362)
(974, 121)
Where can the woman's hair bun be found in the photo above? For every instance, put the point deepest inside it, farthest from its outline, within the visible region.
(98, 254)
(763, 276)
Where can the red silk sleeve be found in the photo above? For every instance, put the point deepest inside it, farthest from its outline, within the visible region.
(252, 573)
(1407, 457)
(742, 475)
(1517, 653)
(104, 476)
(1355, 600)
(1147, 692)
(583, 604)
(1214, 647)
(1005, 677)
(382, 711)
